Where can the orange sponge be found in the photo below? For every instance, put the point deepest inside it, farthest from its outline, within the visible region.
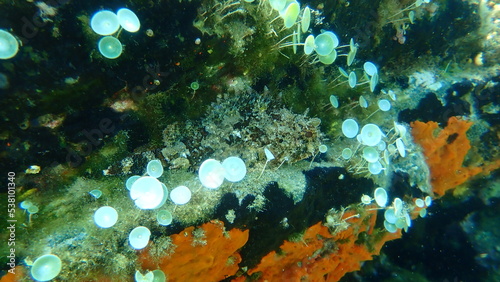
(17, 275)
(321, 256)
(212, 256)
(445, 153)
